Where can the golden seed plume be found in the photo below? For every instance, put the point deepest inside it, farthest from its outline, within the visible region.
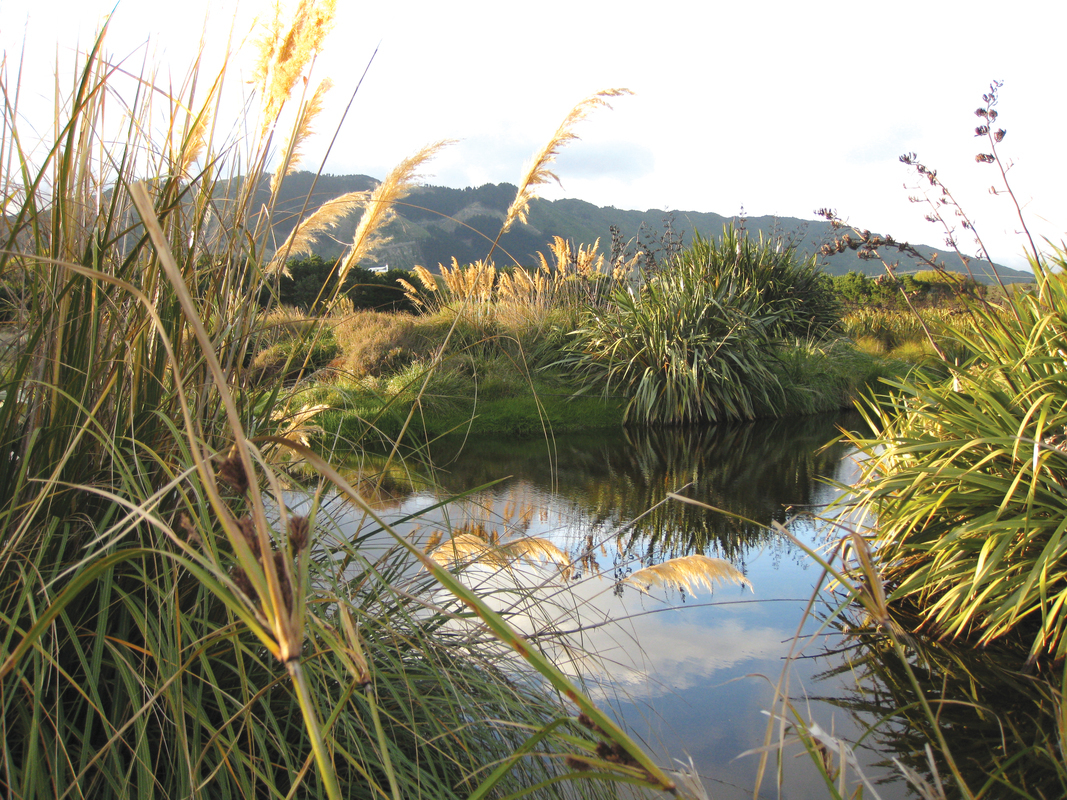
(296, 427)
(689, 573)
(461, 547)
(291, 149)
(537, 171)
(473, 544)
(379, 207)
(194, 141)
(306, 233)
(286, 49)
(473, 282)
(416, 296)
(426, 278)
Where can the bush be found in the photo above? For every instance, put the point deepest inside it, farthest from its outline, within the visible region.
(311, 278)
(770, 275)
(695, 342)
(965, 482)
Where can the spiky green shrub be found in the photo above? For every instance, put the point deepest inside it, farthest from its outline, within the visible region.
(771, 274)
(966, 483)
(696, 341)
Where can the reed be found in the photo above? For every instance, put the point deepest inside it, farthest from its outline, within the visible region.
(175, 623)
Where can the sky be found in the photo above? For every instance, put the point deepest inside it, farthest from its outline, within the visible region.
(777, 107)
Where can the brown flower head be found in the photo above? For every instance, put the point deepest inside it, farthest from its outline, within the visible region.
(299, 533)
(244, 583)
(283, 580)
(248, 532)
(232, 472)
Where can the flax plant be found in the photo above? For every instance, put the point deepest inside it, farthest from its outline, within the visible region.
(695, 341)
(173, 624)
(966, 479)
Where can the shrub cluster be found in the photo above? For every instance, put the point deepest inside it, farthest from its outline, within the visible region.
(696, 340)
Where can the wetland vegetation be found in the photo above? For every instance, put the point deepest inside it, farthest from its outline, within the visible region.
(180, 617)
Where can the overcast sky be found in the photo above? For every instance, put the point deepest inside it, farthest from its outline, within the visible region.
(781, 106)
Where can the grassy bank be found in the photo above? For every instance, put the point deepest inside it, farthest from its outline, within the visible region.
(730, 329)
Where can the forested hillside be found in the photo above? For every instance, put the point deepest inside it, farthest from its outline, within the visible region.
(437, 223)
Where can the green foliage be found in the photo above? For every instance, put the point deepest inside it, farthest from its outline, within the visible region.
(312, 278)
(179, 618)
(925, 289)
(295, 358)
(696, 342)
(966, 478)
(907, 335)
(770, 275)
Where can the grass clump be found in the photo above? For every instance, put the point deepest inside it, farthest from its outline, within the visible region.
(695, 341)
(180, 618)
(966, 478)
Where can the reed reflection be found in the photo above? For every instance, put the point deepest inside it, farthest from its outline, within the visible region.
(618, 481)
(1005, 728)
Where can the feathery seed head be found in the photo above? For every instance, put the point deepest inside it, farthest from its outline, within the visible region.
(305, 234)
(248, 532)
(291, 150)
(537, 171)
(378, 211)
(286, 49)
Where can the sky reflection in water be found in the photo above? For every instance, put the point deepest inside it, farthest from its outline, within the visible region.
(688, 674)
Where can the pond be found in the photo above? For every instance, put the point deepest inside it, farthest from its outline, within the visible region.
(692, 673)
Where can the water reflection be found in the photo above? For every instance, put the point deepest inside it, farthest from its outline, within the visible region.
(683, 682)
(1002, 726)
(757, 472)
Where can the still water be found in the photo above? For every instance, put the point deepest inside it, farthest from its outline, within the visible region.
(692, 674)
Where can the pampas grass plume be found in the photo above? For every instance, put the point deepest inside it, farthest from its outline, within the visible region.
(689, 573)
(301, 131)
(285, 50)
(537, 171)
(379, 207)
(305, 234)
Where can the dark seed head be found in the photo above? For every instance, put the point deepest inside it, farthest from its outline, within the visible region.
(248, 532)
(299, 533)
(283, 580)
(577, 764)
(232, 473)
(244, 583)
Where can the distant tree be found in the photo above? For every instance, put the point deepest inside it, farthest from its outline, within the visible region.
(928, 288)
(311, 283)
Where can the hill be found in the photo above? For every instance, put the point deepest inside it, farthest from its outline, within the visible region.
(437, 223)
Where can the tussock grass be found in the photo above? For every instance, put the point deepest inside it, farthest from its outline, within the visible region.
(178, 622)
(695, 341)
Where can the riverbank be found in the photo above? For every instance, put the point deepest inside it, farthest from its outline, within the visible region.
(478, 401)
